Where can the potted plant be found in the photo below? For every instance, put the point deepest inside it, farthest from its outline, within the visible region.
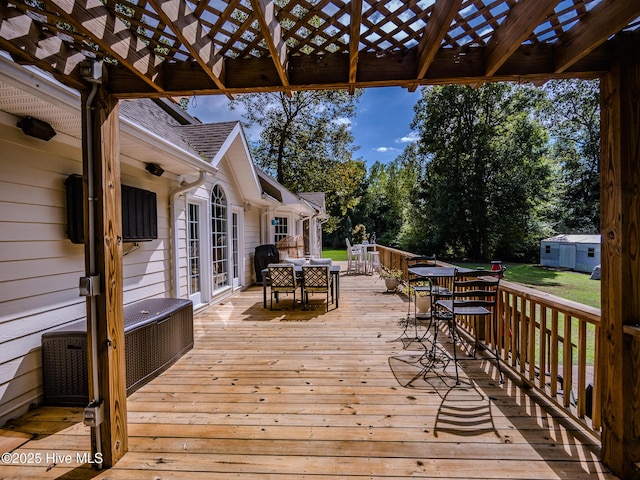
(359, 234)
(392, 278)
(422, 298)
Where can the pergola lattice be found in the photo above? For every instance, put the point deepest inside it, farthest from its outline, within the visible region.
(178, 47)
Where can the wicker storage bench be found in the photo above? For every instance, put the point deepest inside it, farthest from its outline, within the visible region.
(157, 332)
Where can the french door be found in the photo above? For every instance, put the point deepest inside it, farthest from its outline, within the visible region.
(194, 253)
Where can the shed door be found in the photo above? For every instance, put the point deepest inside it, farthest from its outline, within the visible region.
(567, 256)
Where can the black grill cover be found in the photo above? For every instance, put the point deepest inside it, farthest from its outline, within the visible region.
(265, 254)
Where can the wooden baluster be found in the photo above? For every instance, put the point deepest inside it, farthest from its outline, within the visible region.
(554, 353)
(582, 367)
(543, 347)
(531, 353)
(567, 360)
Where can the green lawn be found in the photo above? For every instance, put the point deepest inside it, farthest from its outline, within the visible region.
(337, 255)
(570, 285)
(565, 284)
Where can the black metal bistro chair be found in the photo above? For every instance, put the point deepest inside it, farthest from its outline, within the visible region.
(282, 279)
(418, 286)
(474, 294)
(316, 279)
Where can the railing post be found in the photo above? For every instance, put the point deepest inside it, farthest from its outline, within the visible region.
(619, 213)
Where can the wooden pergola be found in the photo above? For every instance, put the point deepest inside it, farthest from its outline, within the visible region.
(155, 48)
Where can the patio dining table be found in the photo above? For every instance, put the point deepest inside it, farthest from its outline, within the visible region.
(334, 270)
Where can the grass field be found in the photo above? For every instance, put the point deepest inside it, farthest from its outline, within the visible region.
(337, 255)
(574, 286)
(570, 285)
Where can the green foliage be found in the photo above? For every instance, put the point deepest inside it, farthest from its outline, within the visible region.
(307, 145)
(572, 115)
(484, 177)
(388, 273)
(385, 202)
(359, 234)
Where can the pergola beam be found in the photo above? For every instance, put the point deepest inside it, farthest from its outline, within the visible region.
(437, 27)
(520, 22)
(354, 42)
(187, 28)
(264, 10)
(93, 19)
(595, 27)
(528, 63)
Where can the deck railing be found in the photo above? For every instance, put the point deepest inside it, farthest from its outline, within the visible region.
(551, 343)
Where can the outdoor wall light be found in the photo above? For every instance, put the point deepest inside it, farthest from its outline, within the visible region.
(154, 169)
(36, 128)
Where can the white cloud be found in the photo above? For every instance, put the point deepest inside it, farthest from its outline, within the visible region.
(410, 138)
(386, 149)
(343, 121)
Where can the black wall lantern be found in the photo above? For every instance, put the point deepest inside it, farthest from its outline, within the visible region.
(37, 128)
(154, 169)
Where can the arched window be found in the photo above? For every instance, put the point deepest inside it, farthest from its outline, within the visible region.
(219, 238)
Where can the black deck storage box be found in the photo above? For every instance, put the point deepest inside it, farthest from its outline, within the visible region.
(157, 332)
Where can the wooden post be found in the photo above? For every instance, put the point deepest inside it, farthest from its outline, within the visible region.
(103, 259)
(619, 361)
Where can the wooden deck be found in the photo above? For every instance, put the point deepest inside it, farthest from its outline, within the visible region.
(309, 394)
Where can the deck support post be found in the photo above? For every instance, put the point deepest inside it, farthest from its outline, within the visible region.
(619, 359)
(103, 261)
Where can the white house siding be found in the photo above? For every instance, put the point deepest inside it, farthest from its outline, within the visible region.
(251, 241)
(40, 267)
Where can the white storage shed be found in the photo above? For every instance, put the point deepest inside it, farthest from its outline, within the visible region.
(575, 252)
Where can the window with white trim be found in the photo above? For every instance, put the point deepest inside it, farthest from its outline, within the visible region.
(281, 228)
(219, 239)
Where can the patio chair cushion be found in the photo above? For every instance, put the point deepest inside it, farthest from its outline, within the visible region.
(321, 261)
(295, 261)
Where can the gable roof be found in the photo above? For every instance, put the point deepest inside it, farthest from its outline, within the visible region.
(148, 126)
(278, 193)
(207, 138)
(317, 199)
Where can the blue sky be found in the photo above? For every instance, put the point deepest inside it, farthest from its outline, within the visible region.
(381, 127)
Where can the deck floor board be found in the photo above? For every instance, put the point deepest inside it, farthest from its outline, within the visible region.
(278, 394)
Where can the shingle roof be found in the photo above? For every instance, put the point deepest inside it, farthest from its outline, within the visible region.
(318, 199)
(206, 138)
(151, 116)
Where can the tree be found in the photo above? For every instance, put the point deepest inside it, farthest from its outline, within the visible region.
(306, 142)
(484, 172)
(572, 115)
(386, 208)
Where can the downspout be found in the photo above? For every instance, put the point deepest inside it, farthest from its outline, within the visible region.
(173, 198)
(88, 135)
